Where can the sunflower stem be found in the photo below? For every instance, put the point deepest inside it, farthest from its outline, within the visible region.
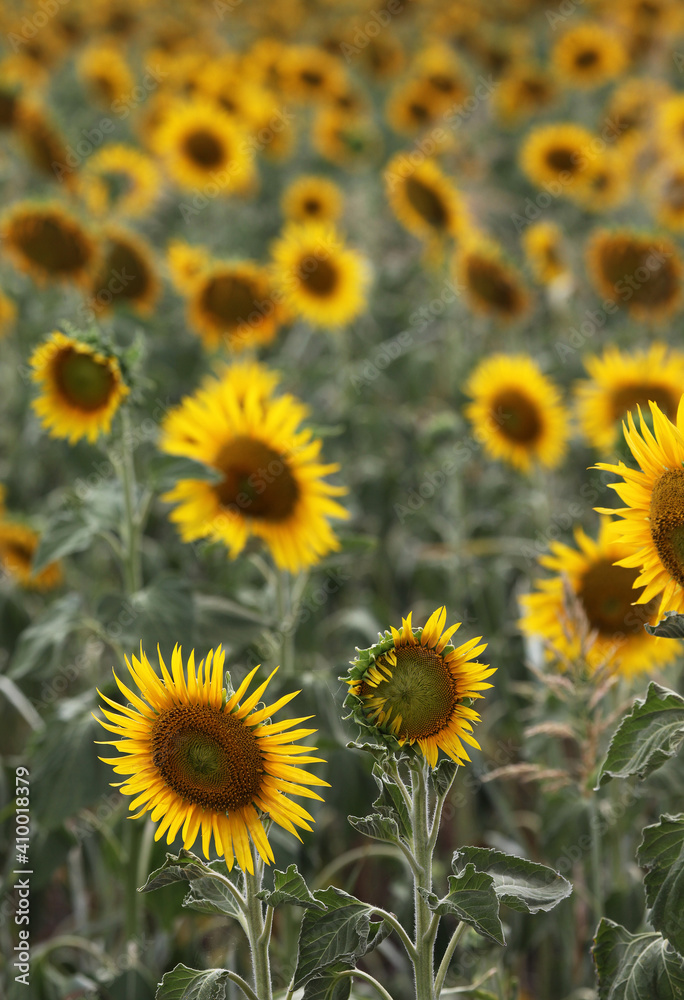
(596, 873)
(366, 976)
(437, 815)
(447, 956)
(130, 528)
(258, 929)
(425, 932)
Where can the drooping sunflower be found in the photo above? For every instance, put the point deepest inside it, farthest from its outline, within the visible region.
(320, 278)
(605, 593)
(556, 153)
(490, 283)
(18, 544)
(233, 304)
(204, 760)
(126, 274)
(642, 273)
(619, 382)
(423, 199)
(272, 483)
(652, 525)
(203, 146)
(589, 55)
(543, 246)
(312, 199)
(81, 388)
(47, 242)
(120, 179)
(517, 412)
(410, 687)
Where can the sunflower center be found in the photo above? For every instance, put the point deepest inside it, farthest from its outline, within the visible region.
(426, 202)
(628, 397)
(8, 108)
(311, 78)
(118, 184)
(419, 111)
(624, 258)
(607, 595)
(489, 282)
(204, 148)
(319, 276)
(230, 300)
(256, 479)
(52, 245)
(207, 757)
(420, 691)
(84, 382)
(517, 416)
(562, 159)
(586, 59)
(667, 522)
(124, 274)
(312, 206)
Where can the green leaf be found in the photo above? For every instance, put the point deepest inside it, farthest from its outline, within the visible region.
(671, 627)
(329, 986)
(182, 867)
(661, 853)
(289, 887)
(164, 471)
(183, 983)
(39, 647)
(378, 827)
(473, 899)
(342, 934)
(647, 737)
(72, 529)
(390, 802)
(212, 895)
(443, 775)
(164, 614)
(521, 884)
(636, 966)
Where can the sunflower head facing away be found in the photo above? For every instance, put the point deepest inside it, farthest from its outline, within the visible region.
(204, 760)
(270, 482)
(411, 688)
(126, 274)
(605, 594)
(517, 412)
(652, 525)
(81, 387)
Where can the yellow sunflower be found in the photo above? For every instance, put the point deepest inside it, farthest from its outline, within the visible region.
(307, 73)
(319, 277)
(81, 388)
(203, 146)
(517, 412)
(491, 285)
(345, 140)
(652, 528)
(312, 199)
(666, 192)
(126, 274)
(423, 199)
(605, 593)
(620, 382)
(272, 484)
(203, 759)
(524, 91)
(47, 242)
(413, 106)
(633, 109)
(670, 125)
(589, 55)
(18, 544)
(44, 146)
(543, 246)
(186, 263)
(234, 304)
(106, 74)
(605, 184)
(410, 688)
(120, 179)
(558, 153)
(642, 273)
(8, 314)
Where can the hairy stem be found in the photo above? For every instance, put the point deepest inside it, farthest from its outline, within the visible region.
(258, 930)
(422, 852)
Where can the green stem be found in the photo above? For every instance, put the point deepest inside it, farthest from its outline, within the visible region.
(446, 958)
(401, 933)
(258, 930)
(425, 932)
(131, 527)
(244, 986)
(437, 815)
(596, 873)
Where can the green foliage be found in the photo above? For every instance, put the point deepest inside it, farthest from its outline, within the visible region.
(472, 899)
(183, 983)
(521, 884)
(290, 888)
(647, 737)
(636, 966)
(661, 853)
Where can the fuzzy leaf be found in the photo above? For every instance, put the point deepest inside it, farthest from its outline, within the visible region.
(390, 802)
(661, 853)
(377, 827)
(647, 737)
(183, 867)
(72, 529)
(636, 966)
(443, 775)
(473, 899)
(290, 887)
(329, 986)
(183, 983)
(521, 884)
(671, 627)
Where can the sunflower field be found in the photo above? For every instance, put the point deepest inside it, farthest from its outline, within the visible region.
(341, 499)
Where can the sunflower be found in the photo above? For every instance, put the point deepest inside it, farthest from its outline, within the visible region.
(126, 274)
(653, 520)
(320, 278)
(383, 56)
(120, 179)
(670, 125)
(410, 688)
(666, 191)
(643, 273)
(556, 153)
(8, 314)
(105, 73)
(186, 263)
(633, 108)
(308, 73)
(312, 199)
(47, 242)
(443, 75)
(620, 382)
(491, 285)
(423, 198)
(605, 594)
(272, 484)
(200, 758)
(517, 412)
(605, 184)
(523, 91)
(43, 144)
(542, 243)
(10, 104)
(203, 146)
(345, 140)
(81, 388)
(18, 544)
(589, 56)
(234, 304)
(413, 106)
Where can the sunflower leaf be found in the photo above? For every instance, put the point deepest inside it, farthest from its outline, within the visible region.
(330, 986)
(183, 983)
(636, 965)
(212, 895)
(647, 737)
(73, 528)
(390, 802)
(443, 775)
(377, 827)
(39, 646)
(183, 867)
(290, 887)
(473, 899)
(342, 934)
(521, 884)
(661, 853)
(671, 627)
